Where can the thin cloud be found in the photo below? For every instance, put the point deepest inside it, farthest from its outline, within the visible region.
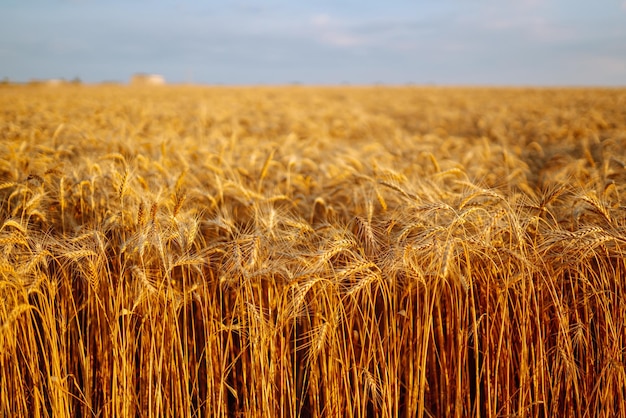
(334, 32)
(610, 65)
(320, 20)
(527, 21)
(531, 3)
(544, 31)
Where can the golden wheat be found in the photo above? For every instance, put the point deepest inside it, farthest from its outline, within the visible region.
(301, 251)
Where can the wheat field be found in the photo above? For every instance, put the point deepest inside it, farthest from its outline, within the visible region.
(312, 251)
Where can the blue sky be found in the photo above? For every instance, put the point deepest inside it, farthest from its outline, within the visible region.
(523, 42)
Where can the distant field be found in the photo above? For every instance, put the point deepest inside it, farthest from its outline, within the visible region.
(300, 251)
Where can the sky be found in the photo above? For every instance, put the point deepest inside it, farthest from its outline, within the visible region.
(443, 42)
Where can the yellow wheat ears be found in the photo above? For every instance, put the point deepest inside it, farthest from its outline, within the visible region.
(312, 251)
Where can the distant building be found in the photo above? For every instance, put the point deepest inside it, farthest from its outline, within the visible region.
(54, 82)
(141, 79)
(50, 82)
